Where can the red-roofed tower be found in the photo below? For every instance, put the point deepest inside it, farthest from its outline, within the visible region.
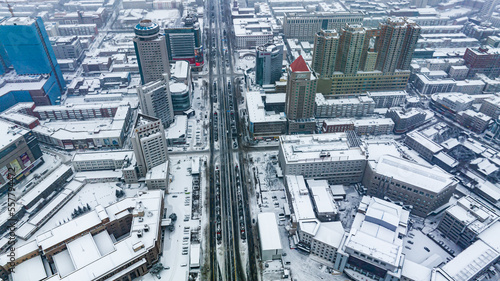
(300, 92)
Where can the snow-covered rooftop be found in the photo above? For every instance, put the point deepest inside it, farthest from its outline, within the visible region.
(322, 199)
(377, 229)
(268, 231)
(10, 133)
(301, 202)
(424, 141)
(43, 185)
(117, 155)
(257, 112)
(319, 148)
(428, 178)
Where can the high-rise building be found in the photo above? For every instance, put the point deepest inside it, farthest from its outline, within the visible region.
(183, 39)
(350, 49)
(149, 143)
(326, 44)
(300, 91)
(26, 47)
(269, 62)
(156, 100)
(396, 44)
(151, 51)
(303, 26)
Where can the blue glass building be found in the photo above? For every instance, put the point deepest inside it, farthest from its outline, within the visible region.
(25, 46)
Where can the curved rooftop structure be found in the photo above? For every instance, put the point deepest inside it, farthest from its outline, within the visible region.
(146, 28)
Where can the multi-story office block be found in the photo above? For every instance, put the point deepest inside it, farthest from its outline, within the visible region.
(85, 248)
(68, 47)
(253, 32)
(491, 107)
(151, 51)
(350, 49)
(337, 125)
(269, 63)
(328, 156)
(326, 43)
(156, 101)
(300, 94)
(374, 246)
(421, 144)
(406, 120)
(183, 38)
(261, 122)
(181, 87)
(149, 143)
(483, 60)
(27, 46)
(466, 219)
(388, 99)
(374, 127)
(346, 107)
(305, 26)
(425, 188)
(94, 161)
(19, 152)
(475, 121)
(397, 41)
(452, 102)
(426, 86)
(342, 84)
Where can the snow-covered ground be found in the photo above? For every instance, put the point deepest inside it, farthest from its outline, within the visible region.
(271, 198)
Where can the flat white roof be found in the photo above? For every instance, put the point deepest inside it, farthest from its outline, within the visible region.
(83, 251)
(44, 184)
(421, 139)
(104, 243)
(330, 233)
(428, 178)
(308, 148)
(373, 122)
(10, 133)
(30, 270)
(108, 155)
(471, 261)
(376, 228)
(159, 172)
(268, 231)
(415, 271)
(301, 202)
(257, 112)
(322, 199)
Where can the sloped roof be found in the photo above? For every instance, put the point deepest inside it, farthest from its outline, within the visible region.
(299, 64)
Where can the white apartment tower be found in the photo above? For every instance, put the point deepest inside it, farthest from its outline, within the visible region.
(149, 143)
(151, 51)
(156, 100)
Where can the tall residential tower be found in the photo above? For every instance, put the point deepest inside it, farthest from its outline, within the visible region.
(326, 44)
(396, 44)
(350, 49)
